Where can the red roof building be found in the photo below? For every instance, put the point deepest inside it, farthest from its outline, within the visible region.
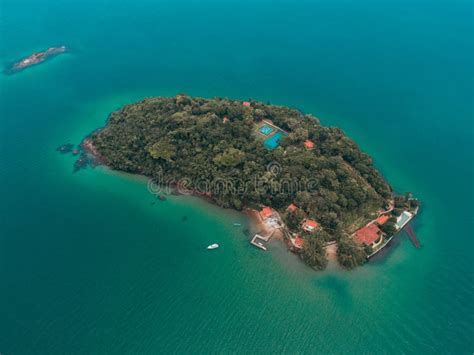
(292, 208)
(246, 104)
(369, 235)
(266, 212)
(382, 219)
(308, 144)
(298, 242)
(309, 225)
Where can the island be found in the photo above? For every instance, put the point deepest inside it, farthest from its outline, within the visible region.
(35, 58)
(308, 183)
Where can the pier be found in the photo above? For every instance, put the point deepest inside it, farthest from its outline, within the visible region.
(256, 240)
(412, 236)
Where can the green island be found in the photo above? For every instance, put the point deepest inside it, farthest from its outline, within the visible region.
(306, 183)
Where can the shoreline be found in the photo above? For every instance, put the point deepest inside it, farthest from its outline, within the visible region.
(257, 225)
(387, 244)
(331, 252)
(256, 222)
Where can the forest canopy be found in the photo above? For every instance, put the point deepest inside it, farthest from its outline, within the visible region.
(217, 140)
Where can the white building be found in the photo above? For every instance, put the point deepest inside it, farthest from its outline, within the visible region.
(403, 219)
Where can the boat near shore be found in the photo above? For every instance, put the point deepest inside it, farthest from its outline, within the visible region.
(35, 58)
(213, 246)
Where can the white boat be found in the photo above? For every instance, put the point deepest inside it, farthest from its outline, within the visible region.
(213, 246)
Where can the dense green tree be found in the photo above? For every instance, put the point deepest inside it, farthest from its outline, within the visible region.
(397, 211)
(350, 254)
(183, 137)
(162, 150)
(388, 228)
(230, 158)
(293, 219)
(414, 203)
(313, 253)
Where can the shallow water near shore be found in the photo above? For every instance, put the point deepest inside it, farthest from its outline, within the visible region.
(92, 262)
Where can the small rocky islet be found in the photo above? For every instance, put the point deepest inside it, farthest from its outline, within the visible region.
(34, 59)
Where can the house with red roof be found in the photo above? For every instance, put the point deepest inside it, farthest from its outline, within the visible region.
(266, 212)
(309, 225)
(297, 242)
(382, 219)
(292, 208)
(308, 144)
(369, 235)
(246, 104)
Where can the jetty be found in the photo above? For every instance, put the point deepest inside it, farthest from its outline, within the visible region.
(257, 240)
(412, 236)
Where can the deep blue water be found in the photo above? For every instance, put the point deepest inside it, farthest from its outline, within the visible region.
(88, 265)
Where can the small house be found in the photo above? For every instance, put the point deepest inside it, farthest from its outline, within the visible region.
(308, 144)
(292, 208)
(266, 212)
(382, 219)
(297, 242)
(369, 235)
(309, 225)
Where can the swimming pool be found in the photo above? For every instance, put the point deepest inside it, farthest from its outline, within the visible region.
(266, 130)
(273, 142)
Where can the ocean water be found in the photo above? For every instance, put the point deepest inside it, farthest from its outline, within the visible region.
(89, 265)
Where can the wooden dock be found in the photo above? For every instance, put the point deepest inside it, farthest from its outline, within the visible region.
(256, 240)
(412, 236)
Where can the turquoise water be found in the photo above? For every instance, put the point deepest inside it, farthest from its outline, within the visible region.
(273, 141)
(89, 265)
(266, 130)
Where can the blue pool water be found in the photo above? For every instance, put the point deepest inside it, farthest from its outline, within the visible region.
(272, 142)
(266, 130)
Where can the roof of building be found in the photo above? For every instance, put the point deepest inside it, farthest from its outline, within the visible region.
(298, 242)
(310, 223)
(246, 104)
(266, 212)
(382, 219)
(368, 234)
(292, 207)
(308, 144)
